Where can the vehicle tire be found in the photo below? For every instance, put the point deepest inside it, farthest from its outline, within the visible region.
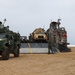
(69, 50)
(16, 52)
(5, 53)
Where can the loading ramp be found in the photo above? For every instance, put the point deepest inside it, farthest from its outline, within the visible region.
(35, 48)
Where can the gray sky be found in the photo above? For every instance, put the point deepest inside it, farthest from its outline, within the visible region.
(26, 15)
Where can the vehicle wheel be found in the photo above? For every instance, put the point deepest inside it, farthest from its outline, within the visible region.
(5, 53)
(69, 50)
(16, 52)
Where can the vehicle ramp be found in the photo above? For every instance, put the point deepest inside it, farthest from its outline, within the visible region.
(35, 48)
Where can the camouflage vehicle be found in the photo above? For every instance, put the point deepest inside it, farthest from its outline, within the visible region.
(38, 35)
(9, 42)
(58, 36)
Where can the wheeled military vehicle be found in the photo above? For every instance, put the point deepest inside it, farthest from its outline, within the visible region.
(58, 36)
(9, 42)
(38, 35)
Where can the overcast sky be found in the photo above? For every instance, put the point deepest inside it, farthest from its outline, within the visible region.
(26, 15)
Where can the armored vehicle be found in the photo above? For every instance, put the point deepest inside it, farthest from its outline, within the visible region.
(38, 35)
(9, 42)
(58, 36)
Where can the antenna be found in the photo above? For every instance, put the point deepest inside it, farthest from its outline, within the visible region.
(4, 21)
(58, 22)
(50, 23)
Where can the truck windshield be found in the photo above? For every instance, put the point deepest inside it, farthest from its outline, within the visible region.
(2, 36)
(40, 32)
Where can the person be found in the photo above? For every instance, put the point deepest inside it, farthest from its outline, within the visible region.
(50, 46)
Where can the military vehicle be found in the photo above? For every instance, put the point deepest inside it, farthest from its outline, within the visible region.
(23, 39)
(58, 36)
(38, 35)
(9, 42)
